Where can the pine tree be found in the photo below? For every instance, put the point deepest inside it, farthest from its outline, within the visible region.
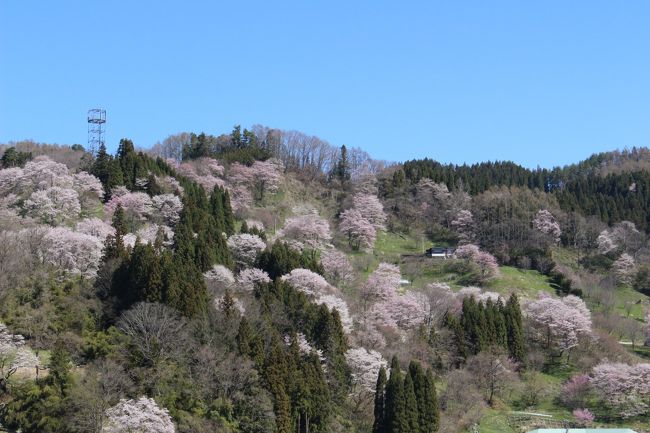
(379, 426)
(419, 388)
(395, 405)
(514, 326)
(244, 337)
(411, 405)
(431, 411)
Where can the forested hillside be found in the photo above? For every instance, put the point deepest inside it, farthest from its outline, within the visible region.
(266, 281)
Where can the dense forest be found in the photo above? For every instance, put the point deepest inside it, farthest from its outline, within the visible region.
(266, 281)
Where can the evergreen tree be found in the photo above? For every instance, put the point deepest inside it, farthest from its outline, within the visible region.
(395, 405)
(60, 367)
(411, 405)
(515, 332)
(379, 426)
(431, 410)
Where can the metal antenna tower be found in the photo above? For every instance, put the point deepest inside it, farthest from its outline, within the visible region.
(96, 129)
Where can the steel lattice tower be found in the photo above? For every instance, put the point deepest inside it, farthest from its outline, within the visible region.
(96, 129)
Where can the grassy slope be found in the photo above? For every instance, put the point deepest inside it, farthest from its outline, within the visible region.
(526, 283)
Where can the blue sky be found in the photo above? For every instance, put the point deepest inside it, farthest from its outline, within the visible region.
(546, 82)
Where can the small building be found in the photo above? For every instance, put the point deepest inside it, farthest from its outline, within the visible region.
(440, 252)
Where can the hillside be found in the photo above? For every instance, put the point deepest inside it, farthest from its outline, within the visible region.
(266, 281)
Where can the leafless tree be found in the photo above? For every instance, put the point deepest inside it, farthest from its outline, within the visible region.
(156, 332)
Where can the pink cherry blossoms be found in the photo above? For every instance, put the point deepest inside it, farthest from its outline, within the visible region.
(360, 232)
(546, 224)
(559, 323)
(75, 253)
(623, 388)
(364, 365)
(14, 354)
(464, 226)
(338, 270)
(141, 415)
(53, 205)
(486, 262)
(309, 230)
(250, 279)
(245, 248)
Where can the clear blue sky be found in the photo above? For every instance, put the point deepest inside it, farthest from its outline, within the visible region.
(536, 82)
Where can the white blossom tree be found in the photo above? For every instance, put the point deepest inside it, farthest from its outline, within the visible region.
(250, 279)
(559, 323)
(360, 232)
(95, 227)
(142, 415)
(245, 248)
(14, 354)
(624, 268)
(72, 252)
(545, 223)
(371, 209)
(623, 388)
(308, 282)
(464, 226)
(168, 207)
(338, 269)
(364, 365)
(308, 230)
(53, 205)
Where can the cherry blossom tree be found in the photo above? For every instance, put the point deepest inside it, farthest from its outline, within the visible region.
(545, 223)
(575, 391)
(624, 268)
(359, 231)
(441, 300)
(370, 209)
(622, 388)
(559, 323)
(10, 181)
(382, 283)
(250, 279)
(207, 172)
(53, 205)
(464, 226)
(245, 248)
(43, 173)
(308, 282)
(14, 354)
(584, 416)
(240, 199)
(148, 234)
(624, 237)
(606, 242)
(95, 227)
(407, 310)
(168, 207)
(486, 262)
(138, 416)
(72, 252)
(268, 175)
(338, 270)
(219, 278)
(307, 230)
(364, 365)
(137, 206)
(88, 187)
